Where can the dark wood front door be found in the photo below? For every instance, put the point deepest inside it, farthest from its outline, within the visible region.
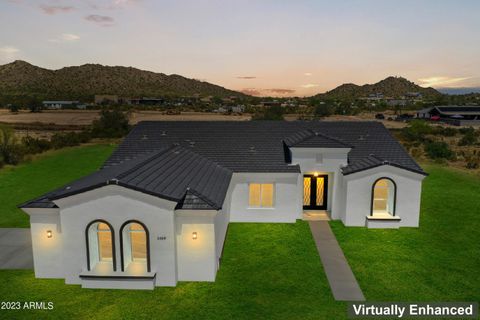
(315, 192)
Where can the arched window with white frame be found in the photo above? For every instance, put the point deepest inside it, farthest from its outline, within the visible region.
(135, 246)
(384, 191)
(100, 241)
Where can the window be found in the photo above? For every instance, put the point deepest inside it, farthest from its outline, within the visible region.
(261, 195)
(135, 244)
(100, 244)
(383, 197)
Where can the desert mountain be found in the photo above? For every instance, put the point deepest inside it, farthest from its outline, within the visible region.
(22, 79)
(390, 87)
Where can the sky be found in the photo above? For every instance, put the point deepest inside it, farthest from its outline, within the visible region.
(262, 47)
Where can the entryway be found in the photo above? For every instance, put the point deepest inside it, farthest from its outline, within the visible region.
(315, 192)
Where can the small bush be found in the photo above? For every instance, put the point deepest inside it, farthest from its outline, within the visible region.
(35, 145)
(468, 139)
(112, 124)
(416, 131)
(11, 152)
(447, 132)
(439, 150)
(62, 140)
(272, 113)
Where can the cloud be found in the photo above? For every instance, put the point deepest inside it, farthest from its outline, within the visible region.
(51, 10)
(246, 77)
(66, 37)
(281, 91)
(309, 85)
(442, 81)
(267, 92)
(251, 91)
(308, 74)
(8, 53)
(104, 21)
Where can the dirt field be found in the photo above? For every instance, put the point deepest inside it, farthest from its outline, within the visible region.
(86, 117)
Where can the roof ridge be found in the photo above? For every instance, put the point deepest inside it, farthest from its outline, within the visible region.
(333, 139)
(154, 155)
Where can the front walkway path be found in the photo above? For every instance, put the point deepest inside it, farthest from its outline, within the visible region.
(342, 282)
(15, 248)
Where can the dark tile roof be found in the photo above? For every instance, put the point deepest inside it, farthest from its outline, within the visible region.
(192, 162)
(170, 173)
(311, 139)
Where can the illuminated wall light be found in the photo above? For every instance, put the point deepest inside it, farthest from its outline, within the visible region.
(49, 234)
(316, 174)
(194, 236)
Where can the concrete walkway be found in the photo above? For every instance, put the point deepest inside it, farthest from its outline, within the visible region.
(15, 248)
(342, 282)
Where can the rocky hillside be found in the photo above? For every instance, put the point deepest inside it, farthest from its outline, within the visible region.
(390, 87)
(21, 79)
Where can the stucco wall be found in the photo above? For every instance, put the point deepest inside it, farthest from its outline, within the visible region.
(286, 198)
(196, 258)
(359, 193)
(47, 252)
(117, 205)
(330, 163)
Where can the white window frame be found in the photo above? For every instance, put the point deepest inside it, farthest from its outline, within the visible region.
(274, 187)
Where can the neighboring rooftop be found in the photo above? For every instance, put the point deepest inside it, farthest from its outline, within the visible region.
(191, 163)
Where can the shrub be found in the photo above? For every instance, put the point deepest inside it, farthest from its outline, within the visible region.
(112, 124)
(35, 145)
(447, 132)
(468, 139)
(439, 150)
(322, 110)
(416, 130)
(11, 151)
(62, 140)
(272, 113)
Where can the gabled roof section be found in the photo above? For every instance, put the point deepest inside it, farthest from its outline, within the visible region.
(311, 139)
(370, 162)
(169, 173)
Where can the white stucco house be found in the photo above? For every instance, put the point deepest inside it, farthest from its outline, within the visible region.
(158, 210)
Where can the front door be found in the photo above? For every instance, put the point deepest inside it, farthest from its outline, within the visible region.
(315, 192)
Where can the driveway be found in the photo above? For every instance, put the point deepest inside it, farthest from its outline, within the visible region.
(15, 248)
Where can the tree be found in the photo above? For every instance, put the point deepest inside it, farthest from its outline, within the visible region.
(322, 110)
(13, 108)
(112, 124)
(439, 150)
(34, 105)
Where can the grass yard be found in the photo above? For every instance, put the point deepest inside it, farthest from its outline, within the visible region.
(440, 261)
(269, 271)
(45, 173)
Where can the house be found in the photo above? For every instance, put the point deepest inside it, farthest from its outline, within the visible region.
(57, 105)
(458, 115)
(158, 210)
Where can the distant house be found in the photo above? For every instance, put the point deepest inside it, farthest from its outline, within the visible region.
(57, 105)
(236, 109)
(458, 115)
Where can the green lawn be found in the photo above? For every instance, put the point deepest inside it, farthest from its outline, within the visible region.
(440, 261)
(272, 271)
(51, 170)
(268, 271)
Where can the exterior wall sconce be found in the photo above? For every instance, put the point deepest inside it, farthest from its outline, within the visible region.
(194, 236)
(49, 233)
(316, 174)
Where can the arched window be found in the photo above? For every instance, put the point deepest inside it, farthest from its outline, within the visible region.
(100, 239)
(384, 193)
(135, 245)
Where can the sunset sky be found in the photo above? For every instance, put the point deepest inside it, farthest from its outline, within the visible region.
(279, 48)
